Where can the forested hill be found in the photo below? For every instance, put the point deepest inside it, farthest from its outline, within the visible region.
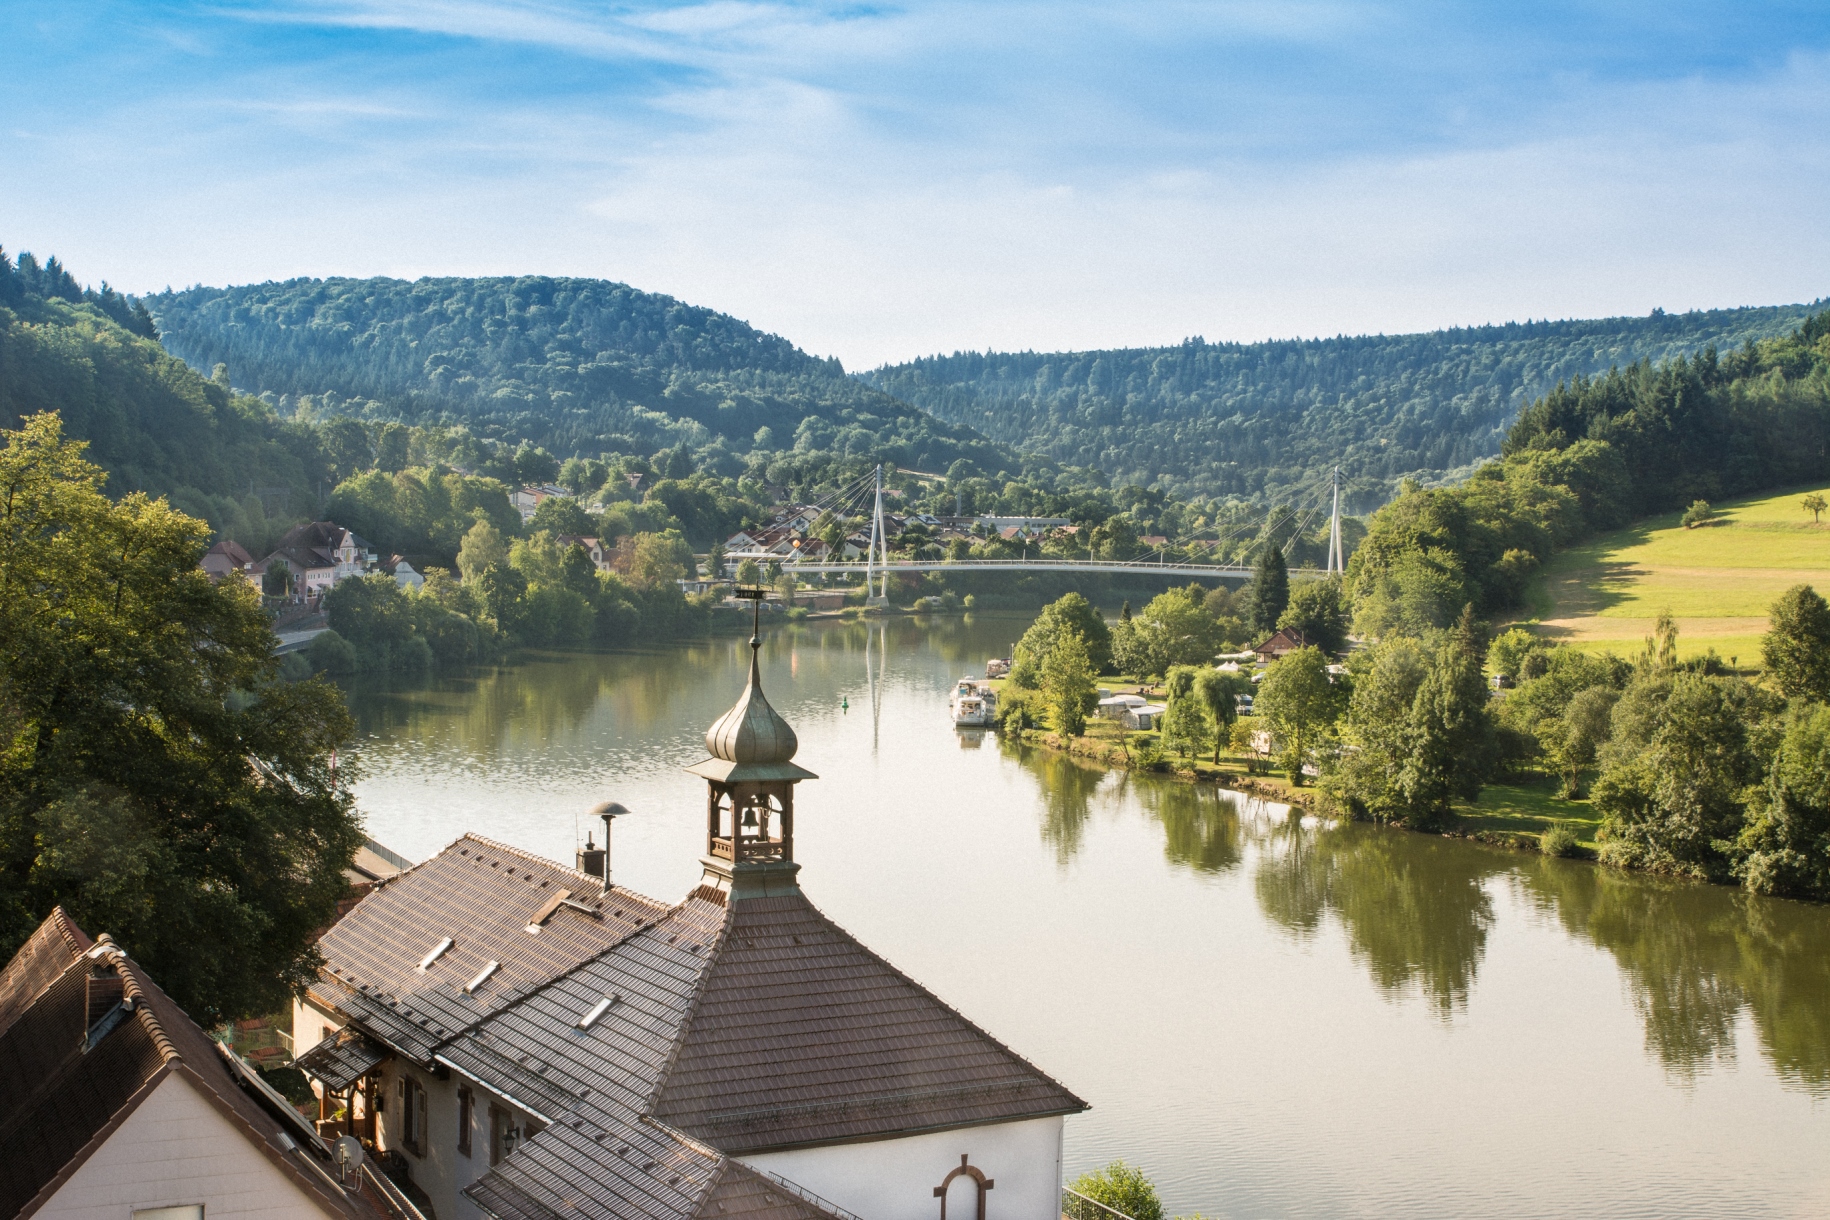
(577, 365)
(1271, 419)
(153, 423)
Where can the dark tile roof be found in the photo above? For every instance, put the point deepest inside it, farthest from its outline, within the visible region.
(481, 895)
(756, 1026)
(46, 954)
(800, 1035)
(680, 1038)
(61, 1093)
(342, 1058)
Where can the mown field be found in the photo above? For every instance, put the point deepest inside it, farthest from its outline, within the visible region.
(1718, 580)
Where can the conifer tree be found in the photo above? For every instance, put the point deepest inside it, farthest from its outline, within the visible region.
(1270, 590)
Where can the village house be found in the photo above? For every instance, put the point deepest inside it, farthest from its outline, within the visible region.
(403, 572)
(1284, 641)
(227, 557)
(538, 1043)
(527, 499)
(317, 555)
(601, 556)
(113, 1103)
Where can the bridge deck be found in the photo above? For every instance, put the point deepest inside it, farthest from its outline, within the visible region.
(1134, 567)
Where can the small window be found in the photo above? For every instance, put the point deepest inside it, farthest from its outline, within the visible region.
(184, 1211)
(467, 1109)
(412, 1116)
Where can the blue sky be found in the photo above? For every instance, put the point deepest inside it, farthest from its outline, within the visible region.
(880, 181)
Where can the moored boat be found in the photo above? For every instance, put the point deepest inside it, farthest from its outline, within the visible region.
(974, 704)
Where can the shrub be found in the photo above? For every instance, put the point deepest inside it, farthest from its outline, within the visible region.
(1558, 840)
(330, 653)
(1122, 1188)
(1699, 513)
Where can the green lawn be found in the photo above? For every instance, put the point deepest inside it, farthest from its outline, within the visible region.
(1718, 580)
(1528, 808)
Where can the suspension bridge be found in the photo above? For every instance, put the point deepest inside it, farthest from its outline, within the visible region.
(877, 566)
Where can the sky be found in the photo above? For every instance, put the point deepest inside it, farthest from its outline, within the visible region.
(881, 181)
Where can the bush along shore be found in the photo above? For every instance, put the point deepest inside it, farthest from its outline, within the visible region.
(1677, 768)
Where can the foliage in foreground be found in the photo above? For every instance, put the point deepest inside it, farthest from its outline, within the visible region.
(156, 780)
(1121, 1187)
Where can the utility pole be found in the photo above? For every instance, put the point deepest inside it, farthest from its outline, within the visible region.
(1337, 562)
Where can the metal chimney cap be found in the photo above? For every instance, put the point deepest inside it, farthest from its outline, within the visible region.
(608, 809)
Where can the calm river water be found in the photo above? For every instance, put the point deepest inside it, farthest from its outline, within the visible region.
(1272, 1018)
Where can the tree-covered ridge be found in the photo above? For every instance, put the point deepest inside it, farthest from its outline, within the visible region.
(151, 422)
(1590, 456)
(576, 365)
(1269, 420)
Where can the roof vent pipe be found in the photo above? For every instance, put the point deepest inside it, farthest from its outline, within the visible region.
(594, 861)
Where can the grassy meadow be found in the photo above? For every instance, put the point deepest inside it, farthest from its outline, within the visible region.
(1717, 579)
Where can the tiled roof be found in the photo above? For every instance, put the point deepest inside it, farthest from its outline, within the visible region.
(481, 895)
(342, 1058)
(60, 1091)
(800, 1035)
(756, 1026)
(681, 1038)
(46, 954)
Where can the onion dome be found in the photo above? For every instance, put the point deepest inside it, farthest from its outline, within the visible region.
(751, 741)
(752, 731)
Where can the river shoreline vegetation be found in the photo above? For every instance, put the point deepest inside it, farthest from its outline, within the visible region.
(1696, 771)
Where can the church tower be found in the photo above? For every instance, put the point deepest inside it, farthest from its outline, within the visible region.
(749, 807)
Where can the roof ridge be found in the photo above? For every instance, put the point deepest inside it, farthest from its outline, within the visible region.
(713, 953)
(522, 853)
(135, 990)
(930, 993)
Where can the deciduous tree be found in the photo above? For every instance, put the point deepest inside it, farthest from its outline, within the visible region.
(156, 780)
(1796, 648)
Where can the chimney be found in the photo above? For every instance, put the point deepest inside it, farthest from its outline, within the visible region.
(591, 858)
(104, 993)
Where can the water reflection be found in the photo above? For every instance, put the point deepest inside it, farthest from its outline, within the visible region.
(1696, 958)
(1703, 967)
(1415, 909)
(1065, 786)
(1200, 824)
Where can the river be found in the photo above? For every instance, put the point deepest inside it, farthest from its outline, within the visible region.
(1270, 1016)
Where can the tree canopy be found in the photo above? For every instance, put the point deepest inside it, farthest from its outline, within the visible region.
(156, 780)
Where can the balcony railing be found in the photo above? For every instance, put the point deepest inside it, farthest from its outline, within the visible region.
(1076, 1206)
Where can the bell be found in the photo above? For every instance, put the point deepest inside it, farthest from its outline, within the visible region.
(749, 817)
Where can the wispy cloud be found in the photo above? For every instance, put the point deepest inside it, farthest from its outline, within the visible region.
(877, 181)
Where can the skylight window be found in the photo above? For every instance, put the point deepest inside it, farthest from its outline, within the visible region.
(481, 978)
(602, 1006)
(438, 951)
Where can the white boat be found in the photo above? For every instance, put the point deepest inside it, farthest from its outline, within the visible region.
(974, 704)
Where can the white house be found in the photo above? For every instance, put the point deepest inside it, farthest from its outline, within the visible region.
(539, 1044)
(317, 555)
(527, 499)
(114, 1104)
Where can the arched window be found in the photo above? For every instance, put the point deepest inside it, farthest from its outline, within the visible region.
(977, 1185)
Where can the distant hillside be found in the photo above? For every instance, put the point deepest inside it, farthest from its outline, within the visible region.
(577, 365)
(1270, 419)
(151, 421)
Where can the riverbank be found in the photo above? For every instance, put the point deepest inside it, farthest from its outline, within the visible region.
(1514, 816)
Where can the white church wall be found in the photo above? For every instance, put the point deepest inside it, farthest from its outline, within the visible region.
(176, 1150)
(895, 1179)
